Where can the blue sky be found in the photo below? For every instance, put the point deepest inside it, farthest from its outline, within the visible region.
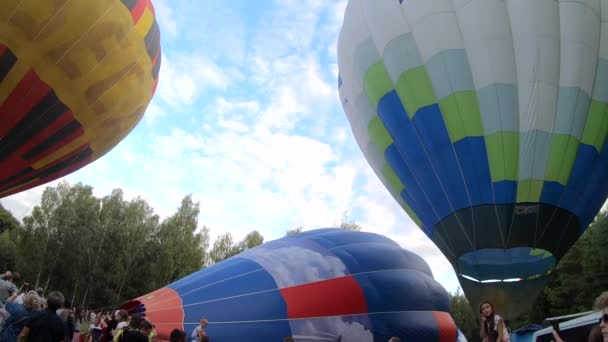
(247, 118)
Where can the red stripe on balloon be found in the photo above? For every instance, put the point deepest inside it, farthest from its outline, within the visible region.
(446, 325)
(154, 86)
(163, 306)
(151, 7)
(68, 139)
(138, 10)
(28, 92)
(333, 297)
(2, 49)
(43, 173)
(16, 162)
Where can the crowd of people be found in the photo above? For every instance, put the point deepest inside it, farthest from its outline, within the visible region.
(27, 315)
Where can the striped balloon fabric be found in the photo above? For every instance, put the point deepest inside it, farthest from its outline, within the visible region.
(75, 79)
(320, 285)
(486, 120)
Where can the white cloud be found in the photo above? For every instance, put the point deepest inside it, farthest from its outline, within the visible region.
(184, 76)
(165, 17)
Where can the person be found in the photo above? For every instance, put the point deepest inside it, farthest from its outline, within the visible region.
(394, 339)
(177, 335)
(19, 313)
(289, 339)
(199, 332)
(600, 331)
(493, 327)
(45, 325)
(7, 285)
(131, 333)
(148, 329)
(95, 330)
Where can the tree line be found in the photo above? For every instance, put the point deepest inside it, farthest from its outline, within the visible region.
(579, 277)
(101, 252)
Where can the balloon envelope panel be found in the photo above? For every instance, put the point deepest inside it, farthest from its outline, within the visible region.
(75, 79)
(326, 284)
(487, 122)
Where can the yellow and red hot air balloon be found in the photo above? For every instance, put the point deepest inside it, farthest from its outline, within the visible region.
(75, 79)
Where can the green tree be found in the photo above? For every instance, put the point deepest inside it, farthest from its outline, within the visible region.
(294, 231)
(7, 220)
(464, 317)
(102, 252)
(223, 248)
(251, 240)
(183, 248)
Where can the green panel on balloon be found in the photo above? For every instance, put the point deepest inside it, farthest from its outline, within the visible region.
(377, 83)
(597, 125)
(392, 178)
(415, 90)
(461, 115)
(378, 134)
(561, 159)
(396, 187)
(503, 155)
(529, 190)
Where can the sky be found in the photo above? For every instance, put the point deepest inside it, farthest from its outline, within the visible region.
(247, 119)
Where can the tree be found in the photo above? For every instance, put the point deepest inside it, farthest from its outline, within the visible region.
(348, 224)
(251, 240)
(294, 231)
(223, 248)
(7, 220)
(102, 252)
(464, 317)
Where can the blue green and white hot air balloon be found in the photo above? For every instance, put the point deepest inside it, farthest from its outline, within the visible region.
(486, 120)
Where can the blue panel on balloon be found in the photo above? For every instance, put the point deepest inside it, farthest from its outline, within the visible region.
(213, 276)
(251, 282)
(405, 137)
(505, 192)
(579, 176)
(384, 290)
(595, 190)
(552, 193)
(196, 275)
(408, 326)
(268, 305)
(473, 157)
(246, 331)
(419, 202)
(336, 239)
(307, 234)
(375, 256)
(489, 263)
(434, 135)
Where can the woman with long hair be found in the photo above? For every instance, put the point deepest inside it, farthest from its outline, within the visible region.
(493, 328)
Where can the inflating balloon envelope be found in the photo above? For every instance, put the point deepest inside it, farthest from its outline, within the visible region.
(486, 120)
(320, 285)
(75, 79)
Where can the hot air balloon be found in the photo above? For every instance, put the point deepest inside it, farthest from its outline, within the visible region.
(486, 120)
(320, 285)
(75, 79)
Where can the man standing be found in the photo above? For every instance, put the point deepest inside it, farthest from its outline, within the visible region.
(199, 331)
(46, 326)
